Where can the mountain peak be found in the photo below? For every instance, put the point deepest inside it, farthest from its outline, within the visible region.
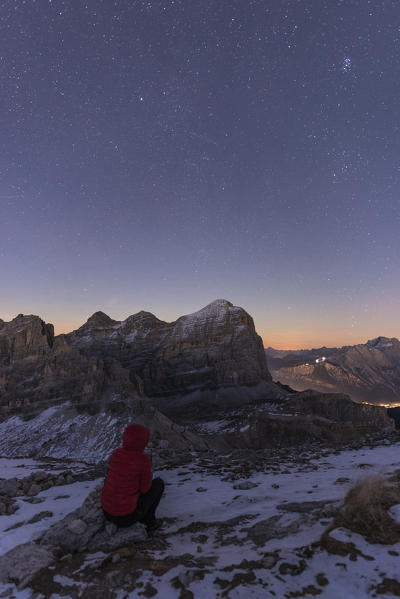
(143, 313)
(143, 319)
(219, 303)
(24, 318)
(100, 319)
(380, 341)
(216, 306)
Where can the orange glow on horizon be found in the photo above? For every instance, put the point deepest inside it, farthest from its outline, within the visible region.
(292, 340)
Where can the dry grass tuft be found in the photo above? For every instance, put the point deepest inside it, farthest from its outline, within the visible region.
(365, 510)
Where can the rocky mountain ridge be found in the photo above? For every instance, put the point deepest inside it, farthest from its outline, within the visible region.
(25, 337)
(212, 348)
(103, 374)
(368, 372)
(72, 394)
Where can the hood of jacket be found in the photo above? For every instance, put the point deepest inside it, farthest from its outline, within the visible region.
(135, 437)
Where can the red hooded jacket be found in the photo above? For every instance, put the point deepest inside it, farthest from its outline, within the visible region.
(129, 473)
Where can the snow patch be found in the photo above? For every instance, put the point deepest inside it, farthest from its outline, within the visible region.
(69, 498)
(394, 512)
(62, 433)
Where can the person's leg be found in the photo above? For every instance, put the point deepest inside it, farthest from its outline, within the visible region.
(148, 502)
(121, 521)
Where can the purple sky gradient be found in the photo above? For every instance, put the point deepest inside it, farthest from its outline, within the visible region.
(159, 155)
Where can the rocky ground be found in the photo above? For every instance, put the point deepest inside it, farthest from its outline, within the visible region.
(245, 524)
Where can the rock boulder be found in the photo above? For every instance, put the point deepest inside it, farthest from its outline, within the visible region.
(86, 529)
(21, 564)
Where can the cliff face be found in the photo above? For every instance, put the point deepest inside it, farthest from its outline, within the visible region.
(142, 355)
(368, 372)
(340, 408)
(79, 390)
(214, 347)
(24, 338)
(311, 416)
(45, 376)
(98, 376)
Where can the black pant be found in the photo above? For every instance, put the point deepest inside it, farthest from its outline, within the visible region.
(145, 509)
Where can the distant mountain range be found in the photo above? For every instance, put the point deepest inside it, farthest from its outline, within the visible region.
(368, 372)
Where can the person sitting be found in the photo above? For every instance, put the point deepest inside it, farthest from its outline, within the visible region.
(130, 494)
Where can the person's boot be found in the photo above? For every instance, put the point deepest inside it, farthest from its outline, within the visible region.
(153, 525)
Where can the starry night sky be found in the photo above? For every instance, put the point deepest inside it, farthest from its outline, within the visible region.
(160, 154)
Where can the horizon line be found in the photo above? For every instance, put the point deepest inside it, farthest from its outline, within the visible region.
(65, 330)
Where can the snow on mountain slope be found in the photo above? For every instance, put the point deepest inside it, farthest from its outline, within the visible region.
(63, 432)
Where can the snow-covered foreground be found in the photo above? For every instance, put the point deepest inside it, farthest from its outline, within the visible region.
(57, 502)
(232, 528)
